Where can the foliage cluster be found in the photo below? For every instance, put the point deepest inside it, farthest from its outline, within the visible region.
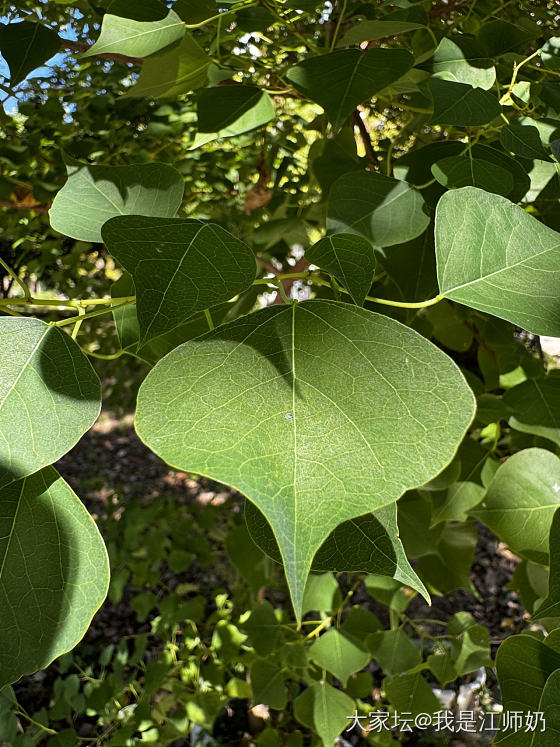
(390, 172)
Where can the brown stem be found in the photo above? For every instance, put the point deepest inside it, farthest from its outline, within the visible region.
(19, 206)
(364, 134)
(80, 47)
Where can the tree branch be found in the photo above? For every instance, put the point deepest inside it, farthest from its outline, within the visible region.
(81, 47)
(364, 134)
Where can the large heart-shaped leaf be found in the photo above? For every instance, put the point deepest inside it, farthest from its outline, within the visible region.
(25, 46)
(178, 266)
(366, 544)
(137, 36)
(173, 72)
(521, 500)
(318, 412)
(350, 258)
(54, 573)
(49, 396)
(341, 80)
(495, 257)
(384, 210)
(93, 194)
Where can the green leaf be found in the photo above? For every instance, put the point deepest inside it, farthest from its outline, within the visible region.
(350, 258)
(178, 266)
(93, 194)
(535, 407)
(322, 593)
(128, 330)
(324, 709)
(373, 30)
(54, 573)
(521, 500)
(470, 644)
(449, 568)
(384, 210)
(501, 261)
(456, 502)
(259, 114)
(498, 37)
(219, 107)
(267, 681)
(524, 141)
(549, 706)
(338, 655)
(412, 268)
(409, 693)
(173, 72)
(393, 650)
(25, 46)
(524, 665)
(49, 396)
(462, 171)
(263, 629)
(463, 58)
(202, 409)
(550, 607)
(195, 11)
(136, 38)
(339, 81)
(461, 105)
(369, 544)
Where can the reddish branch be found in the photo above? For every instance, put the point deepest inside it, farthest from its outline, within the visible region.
(21, 206)
(81, 47)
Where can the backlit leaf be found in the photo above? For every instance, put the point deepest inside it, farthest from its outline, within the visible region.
(49, 396)
(341, 80)
(350, 258)
(465, 60)
(221, 106)
(259, 114)
(54, 573)
(495, 257)
(523, 140)
(137, 38)
(173, 72)
(178, 267)
(25, 46)
(384, 210)
(93, 194)
(344, 428)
